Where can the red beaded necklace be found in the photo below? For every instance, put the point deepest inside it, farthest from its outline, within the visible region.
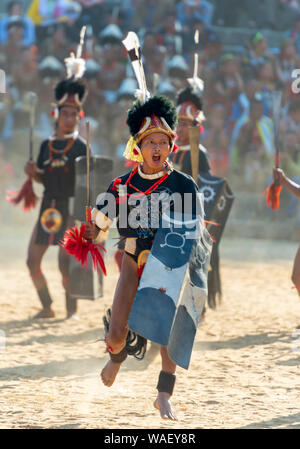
(52, 150)
(151, 189)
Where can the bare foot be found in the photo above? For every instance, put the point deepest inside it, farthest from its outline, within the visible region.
(45, 313)
(109, 373)
(73, 316)
(163, 404)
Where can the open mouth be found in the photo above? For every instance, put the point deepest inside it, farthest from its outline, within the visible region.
(156, 157)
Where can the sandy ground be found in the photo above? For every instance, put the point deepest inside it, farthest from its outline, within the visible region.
(244, 371)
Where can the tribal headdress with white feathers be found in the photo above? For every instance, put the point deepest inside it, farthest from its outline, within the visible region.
(190, 99)
(71, 91)
(148, 114)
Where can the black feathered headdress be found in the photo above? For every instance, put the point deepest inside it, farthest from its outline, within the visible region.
(156, 114)
(148, 114)
(190, 105)
(157, 105)
(71, 91)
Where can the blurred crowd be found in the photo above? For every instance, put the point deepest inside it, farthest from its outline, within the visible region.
(239, 84)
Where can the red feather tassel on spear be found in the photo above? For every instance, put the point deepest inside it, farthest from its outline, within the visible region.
(273, 191)
(26, 192)
(76, 245)
(272, 195)
(74, 242)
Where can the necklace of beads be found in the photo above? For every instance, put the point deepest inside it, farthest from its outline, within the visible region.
(59, 162)
(151, 188)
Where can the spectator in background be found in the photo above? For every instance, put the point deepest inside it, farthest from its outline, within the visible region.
(15, 9)
(112, 70)
(13, 47)
(241, 108)
(150, 14)
(254, 145)
(156, 64)
(56, 44)
(119, 133)
(167, 89)
(189, 10)
(208, 64)
(228, 12)
(95, 97)
(154, 57)
(94, 141)
(170, 34)
(93, 14)
(267, 83)
(287, 61)
(178, 71)
(291, 122)
(259, 14)
(212, 51)
(6, 103)
(229, 83)
(216, 139)
(54, 11)
(24, 71)
(258, 52)
(285, 12)
(196, 24)
(48, 13)
(149, 44)
(294, 33)
(50, 72)
(289, 156)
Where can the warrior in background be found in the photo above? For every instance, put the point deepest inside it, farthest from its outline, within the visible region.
(190, 113)
(55, 169)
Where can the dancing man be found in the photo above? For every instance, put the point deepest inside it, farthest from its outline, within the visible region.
(152, 123)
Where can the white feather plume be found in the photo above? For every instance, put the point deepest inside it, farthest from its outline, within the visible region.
(196, 83)
(131, 42)
(75, 66)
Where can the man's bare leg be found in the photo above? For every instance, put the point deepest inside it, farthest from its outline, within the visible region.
(124, 295)
(162, 402)
(34, 259)
(296, 272)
